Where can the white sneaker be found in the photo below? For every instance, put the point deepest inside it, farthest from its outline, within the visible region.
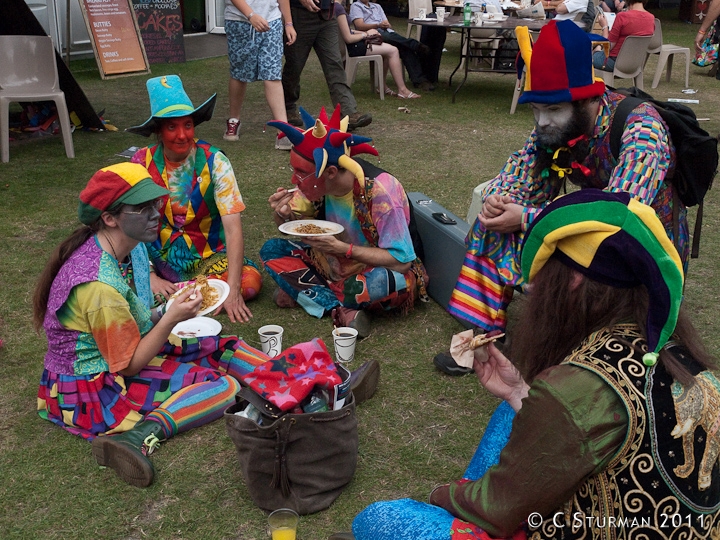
(231, 132)
(283, 143)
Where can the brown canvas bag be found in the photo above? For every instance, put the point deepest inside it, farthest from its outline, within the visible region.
(298, 461)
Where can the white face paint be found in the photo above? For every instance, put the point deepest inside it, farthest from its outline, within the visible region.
(552, 121)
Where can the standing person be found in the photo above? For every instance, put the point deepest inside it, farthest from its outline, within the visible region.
(636, 21)
(609, 403)
(109, 375)
(371, 265)
(201, 230)
(254, 31)
(317, 29)
(570, 142)
(366, 15)
(356, 46)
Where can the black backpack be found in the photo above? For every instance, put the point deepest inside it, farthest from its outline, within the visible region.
(696, 152)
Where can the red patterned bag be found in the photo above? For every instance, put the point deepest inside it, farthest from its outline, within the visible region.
(289, 378)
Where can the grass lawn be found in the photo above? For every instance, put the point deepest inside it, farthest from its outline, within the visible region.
(421, 427)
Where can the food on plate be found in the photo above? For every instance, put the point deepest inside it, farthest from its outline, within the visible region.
(310, 228)
(209, 294)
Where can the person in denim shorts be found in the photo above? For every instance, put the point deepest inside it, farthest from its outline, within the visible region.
(254, 30)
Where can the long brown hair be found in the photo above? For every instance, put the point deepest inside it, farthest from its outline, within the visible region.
(558, 317)
(61, 254)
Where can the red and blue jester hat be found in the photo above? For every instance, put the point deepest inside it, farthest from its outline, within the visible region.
(327, 142)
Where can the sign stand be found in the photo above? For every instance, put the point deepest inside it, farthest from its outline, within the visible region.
(115, 37)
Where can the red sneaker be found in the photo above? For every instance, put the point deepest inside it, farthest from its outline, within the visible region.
(231, 132)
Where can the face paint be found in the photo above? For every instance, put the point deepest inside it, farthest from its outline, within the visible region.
(178, 137)
(140, 222)
(559, 123)
(304, 178)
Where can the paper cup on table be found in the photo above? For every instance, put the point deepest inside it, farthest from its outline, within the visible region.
(440, 12)
(283, 524)
(344, 339)
(271, 339)
(422, 13)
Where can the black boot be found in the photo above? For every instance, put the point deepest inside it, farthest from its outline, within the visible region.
(126, 453)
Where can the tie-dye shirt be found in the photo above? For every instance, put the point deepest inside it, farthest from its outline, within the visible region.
(390, 215)
(94, 320)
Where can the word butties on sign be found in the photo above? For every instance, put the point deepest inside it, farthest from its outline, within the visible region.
(161, 27)
(115, 38)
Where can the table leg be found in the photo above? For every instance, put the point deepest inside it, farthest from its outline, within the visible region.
(464, 55)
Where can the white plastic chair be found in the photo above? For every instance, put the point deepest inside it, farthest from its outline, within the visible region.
(28, 73)
(414, 7)
(630, 61)
(352, 63)
(665, 54)
(481, 38)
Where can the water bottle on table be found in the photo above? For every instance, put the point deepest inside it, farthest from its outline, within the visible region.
(467, 14)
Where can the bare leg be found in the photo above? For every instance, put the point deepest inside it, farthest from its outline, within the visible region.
(276, 99)
(391, 61)
(236, 94)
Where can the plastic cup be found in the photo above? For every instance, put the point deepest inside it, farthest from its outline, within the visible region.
(422, 13)
(271, 339)
(440, 12)
(283, 524)
(344, 339)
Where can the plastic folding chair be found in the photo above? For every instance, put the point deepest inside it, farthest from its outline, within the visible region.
(665, 54)
(28, 73)
(352, 63)
(414, 7)
(630, 61)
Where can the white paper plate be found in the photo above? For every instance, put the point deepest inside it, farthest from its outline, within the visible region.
(291, 227)
(221, 288)
(197, 327)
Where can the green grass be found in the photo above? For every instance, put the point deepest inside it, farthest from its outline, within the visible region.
(421, 427)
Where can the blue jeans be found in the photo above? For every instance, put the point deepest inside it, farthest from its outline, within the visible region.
(600, 62)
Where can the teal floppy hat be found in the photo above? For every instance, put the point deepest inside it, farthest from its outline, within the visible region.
(168, 99)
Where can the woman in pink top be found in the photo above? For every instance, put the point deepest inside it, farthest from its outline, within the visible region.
(633, 22)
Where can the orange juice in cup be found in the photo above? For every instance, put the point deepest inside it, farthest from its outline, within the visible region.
(283, 533)
(283, 524)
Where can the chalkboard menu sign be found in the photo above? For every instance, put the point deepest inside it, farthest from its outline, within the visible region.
(115, 37)
(161, 27)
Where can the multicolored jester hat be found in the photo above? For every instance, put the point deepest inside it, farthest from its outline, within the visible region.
(327, 142)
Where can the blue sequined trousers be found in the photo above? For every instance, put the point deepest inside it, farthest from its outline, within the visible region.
(406, 519)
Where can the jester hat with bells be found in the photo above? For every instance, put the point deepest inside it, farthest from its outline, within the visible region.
(616, 240)
(559, 66)
(327, 142)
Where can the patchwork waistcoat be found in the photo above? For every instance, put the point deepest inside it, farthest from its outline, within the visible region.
(665, 480)
(202, 230)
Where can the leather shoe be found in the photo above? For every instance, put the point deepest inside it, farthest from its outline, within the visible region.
(294, 118)
(357, 120)
(364, 381)
(447, 364)
(283, 299)
(426, 86)
(352, 318)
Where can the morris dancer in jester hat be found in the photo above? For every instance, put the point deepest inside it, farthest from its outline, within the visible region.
(371, 265)
(201, 229)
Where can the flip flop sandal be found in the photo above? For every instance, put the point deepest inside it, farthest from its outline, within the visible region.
(388, 92)
(411, 95)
